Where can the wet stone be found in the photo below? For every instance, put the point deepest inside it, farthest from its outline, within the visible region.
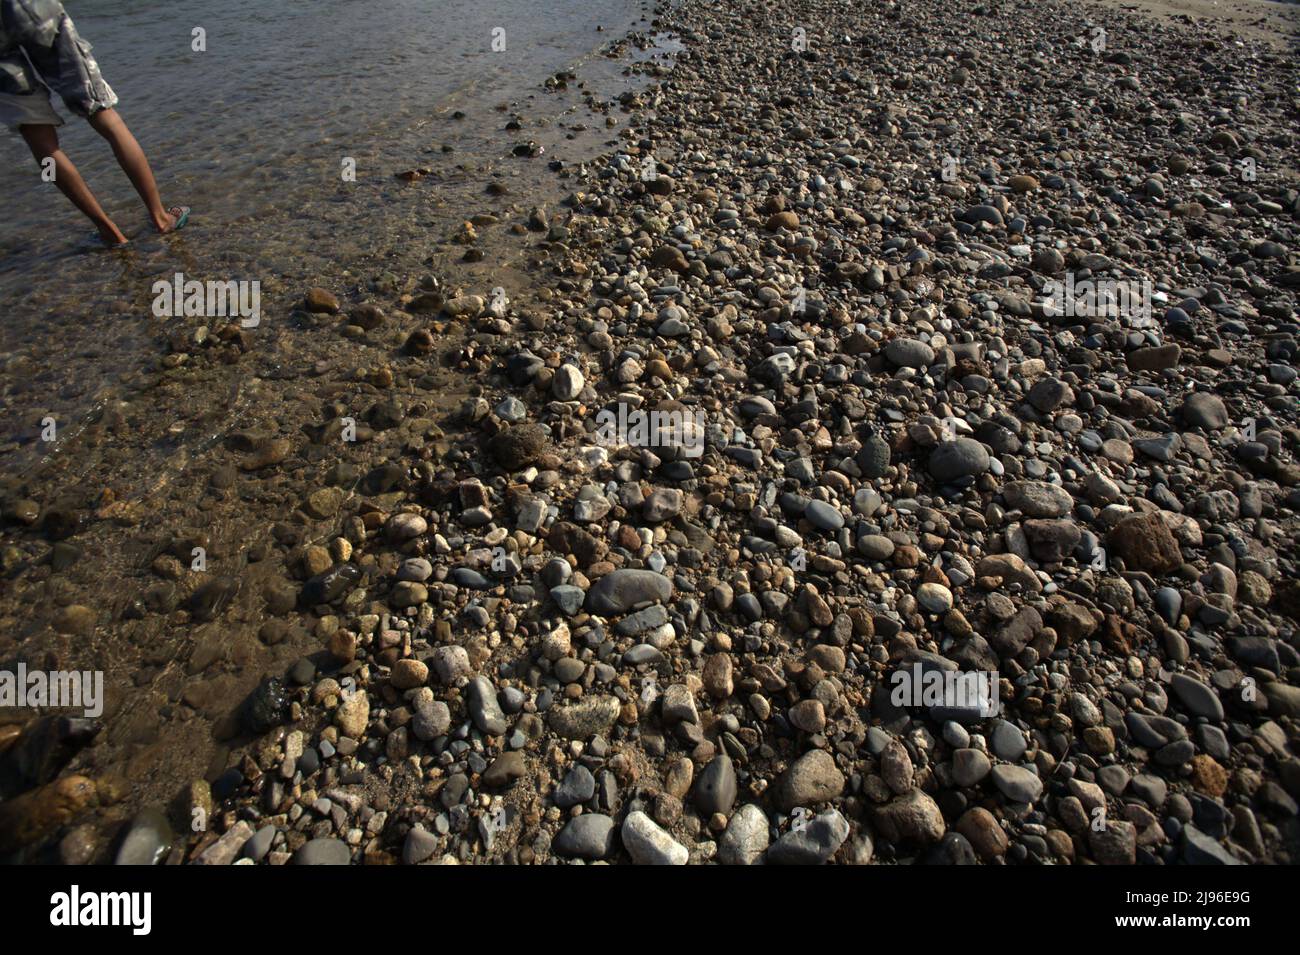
(266, 707)
(147, 841)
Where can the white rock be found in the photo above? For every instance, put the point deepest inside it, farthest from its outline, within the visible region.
(451, 663)
(746, 838)
(567, 383)
(934, 598)
(647, 844)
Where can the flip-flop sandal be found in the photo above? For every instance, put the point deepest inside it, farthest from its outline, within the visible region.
(182, 214)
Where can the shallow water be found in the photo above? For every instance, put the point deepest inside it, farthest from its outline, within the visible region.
(284, 81)
(253, 133)
(132, 472)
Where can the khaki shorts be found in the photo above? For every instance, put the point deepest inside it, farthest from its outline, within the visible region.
(28, 109)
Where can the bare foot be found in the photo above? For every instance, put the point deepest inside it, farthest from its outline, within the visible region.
(112, 237)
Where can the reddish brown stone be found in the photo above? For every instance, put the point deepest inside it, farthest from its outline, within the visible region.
(1144, 542)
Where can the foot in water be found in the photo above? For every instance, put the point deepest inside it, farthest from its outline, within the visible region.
(112, 238)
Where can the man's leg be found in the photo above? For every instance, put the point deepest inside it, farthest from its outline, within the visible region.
(44, 144)
(131, 158)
